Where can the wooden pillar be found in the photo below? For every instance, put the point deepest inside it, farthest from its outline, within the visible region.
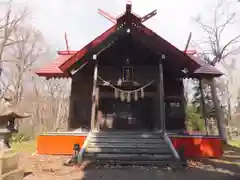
(203, 105)
(94, 93)
(97, 118)
(184, 104)
(161, 94)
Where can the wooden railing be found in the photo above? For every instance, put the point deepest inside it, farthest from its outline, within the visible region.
(83, 148)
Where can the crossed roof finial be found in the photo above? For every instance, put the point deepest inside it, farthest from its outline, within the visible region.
(129, 2)
(128, 10)
(128, 6)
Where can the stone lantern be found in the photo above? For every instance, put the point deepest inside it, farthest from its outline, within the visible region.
(8, 114)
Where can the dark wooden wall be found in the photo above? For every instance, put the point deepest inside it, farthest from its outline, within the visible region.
(142, 74)
(81, 94)
(81, 98)
(174, 104)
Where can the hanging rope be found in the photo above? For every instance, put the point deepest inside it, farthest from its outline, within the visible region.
(127, 91)
(126, 94)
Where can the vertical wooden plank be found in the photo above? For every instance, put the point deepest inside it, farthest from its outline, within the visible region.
(203, 104)
(161, 94)
(183, 103)
(71, 107)
(97, 109)
(94, 93)
(97, 97)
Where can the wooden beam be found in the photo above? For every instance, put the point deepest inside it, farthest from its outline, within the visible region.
(66, 41)
(107, 16)
(129, 7)
(148, 16)
(161, 94)
(94, 95)
(188, 42)
(97, 108)
(72, 72)
(203, 105)
(100, 47)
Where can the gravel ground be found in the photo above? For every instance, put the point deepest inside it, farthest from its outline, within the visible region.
(51, 168)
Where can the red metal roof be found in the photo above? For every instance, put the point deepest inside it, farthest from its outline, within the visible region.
(53, 69)
(153, 37)
(67, 52)
(205, 68)
(66, 59)
(65, 65)
(141, 32)
(208, 70)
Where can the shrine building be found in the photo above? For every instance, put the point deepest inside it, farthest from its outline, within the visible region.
(128, 79)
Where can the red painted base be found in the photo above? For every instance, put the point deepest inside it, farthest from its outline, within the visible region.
(199, 146)
(58, 144)
(194, 146)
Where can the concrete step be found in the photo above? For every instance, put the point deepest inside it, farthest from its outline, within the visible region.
(133, 163)
(130, 157)
(128, 132)
(129, 150)
(120, 140)
(128, 145)
(128, 135)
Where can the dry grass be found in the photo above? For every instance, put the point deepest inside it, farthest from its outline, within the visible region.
(235, 143)
(24, 147)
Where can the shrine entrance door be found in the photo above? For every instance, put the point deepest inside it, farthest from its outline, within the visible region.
(122, 115)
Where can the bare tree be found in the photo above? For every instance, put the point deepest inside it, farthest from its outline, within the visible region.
(23, 55)
(58, 98)
(187, 90)
(50, 104)
(8, 23)
(230, 67)
(215, 49)
(21, 46)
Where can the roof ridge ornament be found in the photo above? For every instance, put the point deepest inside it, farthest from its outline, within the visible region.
(128, 11)
(129, 2)
(66, 41)
(188, 42)
(107, 16)
(128, 6)
(148, 16)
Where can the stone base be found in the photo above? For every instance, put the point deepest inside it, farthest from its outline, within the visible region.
(9, 168)
(16, 174)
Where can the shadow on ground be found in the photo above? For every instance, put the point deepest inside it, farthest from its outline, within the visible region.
(51, 168)
(226, 168)
(160, 174)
